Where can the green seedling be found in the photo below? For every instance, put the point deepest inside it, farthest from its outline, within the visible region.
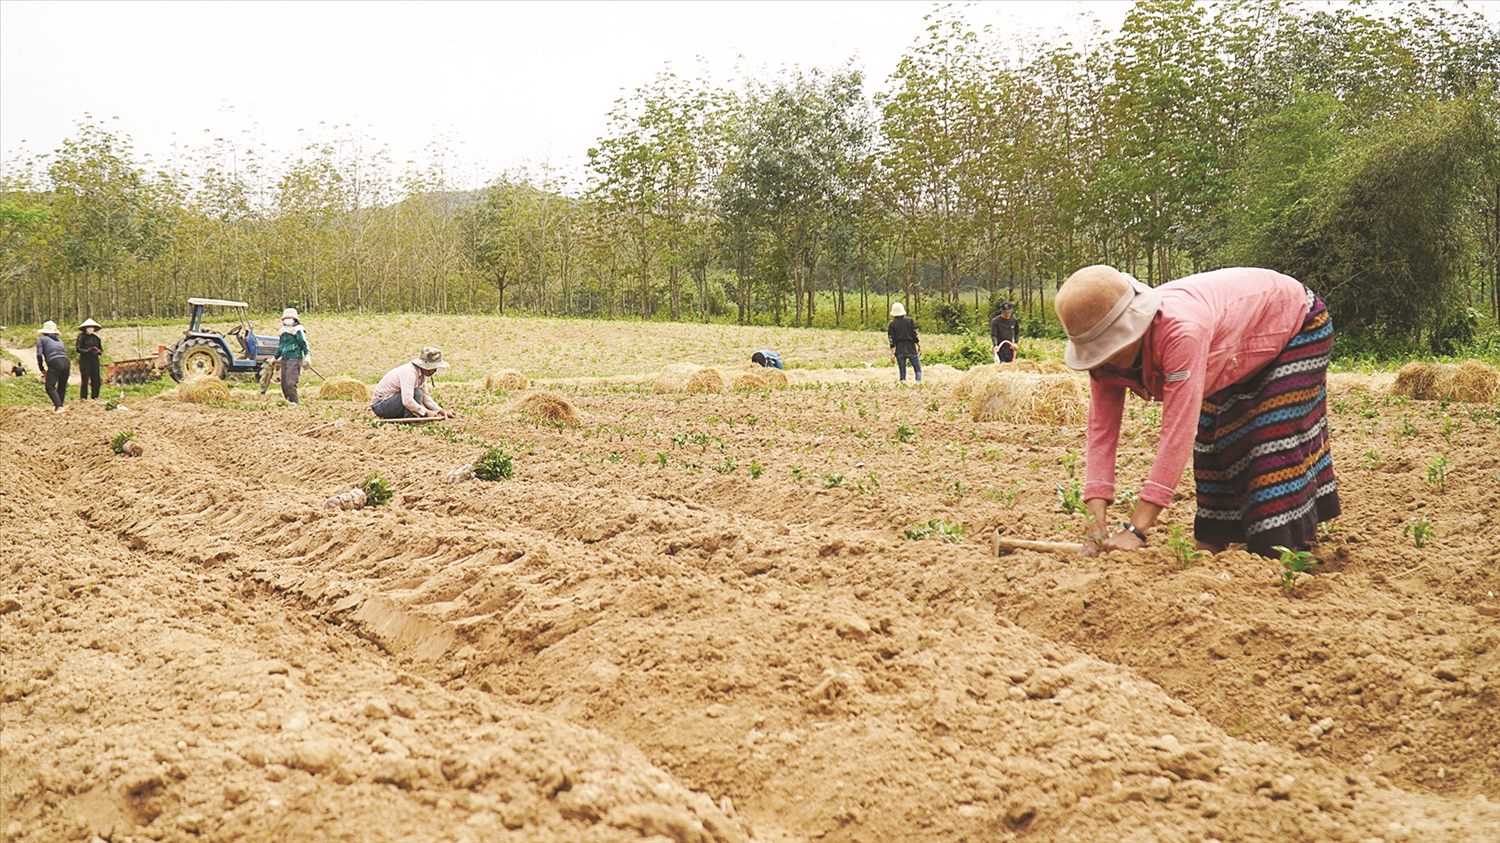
(756, 469)
(952, 533)
(494, 464)
(661, 459)
(1419, 530)
(833, 481)
(1127, 499)
(1373, 459)
(118, 441)
(799, 475)
(378, 490)
(728, 466)
(869, 485)
(905, 433)
(1437, 474)
(1292, 563)
(1070, 497)
(1006, 497)
(954, 487)
(1182, 548)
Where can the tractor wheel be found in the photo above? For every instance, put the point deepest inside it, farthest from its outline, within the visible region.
(198, 356)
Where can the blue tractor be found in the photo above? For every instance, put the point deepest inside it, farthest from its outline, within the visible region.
(203, 351)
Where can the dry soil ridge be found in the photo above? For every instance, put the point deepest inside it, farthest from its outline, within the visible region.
(601, 649)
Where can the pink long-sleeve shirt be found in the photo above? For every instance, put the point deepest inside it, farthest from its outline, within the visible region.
(1213, 329)
(405, 380)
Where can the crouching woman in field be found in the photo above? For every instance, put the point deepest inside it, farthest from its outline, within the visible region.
(1239, 359)
(403, 392)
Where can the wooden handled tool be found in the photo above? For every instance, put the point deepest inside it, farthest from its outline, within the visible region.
(1005, 545)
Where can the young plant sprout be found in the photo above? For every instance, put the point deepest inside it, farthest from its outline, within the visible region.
(1437, 473)
(1292, 563)
(1419, 530)
(1183, 548)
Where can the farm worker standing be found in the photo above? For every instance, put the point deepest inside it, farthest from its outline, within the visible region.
(52, 361)
(89, 348)
(402, 393)
(905, 345)
(767, 359)
(1005, 333)
(291, 350)
(1239, 359)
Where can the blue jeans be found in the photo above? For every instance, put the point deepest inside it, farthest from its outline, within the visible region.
(916, 365)
(392, 408)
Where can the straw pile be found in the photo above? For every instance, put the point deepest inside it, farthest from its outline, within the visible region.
(548, 407)
(748, 380)
(202, 389)
(1023, 398)
(705, 380)
(1470, 381)
(975, 378)
(506, 380)
(673, 377)
(774, 377)
(344, 389)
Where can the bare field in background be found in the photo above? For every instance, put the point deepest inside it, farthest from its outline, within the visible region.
(366, 347)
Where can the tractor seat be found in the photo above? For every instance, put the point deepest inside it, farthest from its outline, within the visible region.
(247, 342)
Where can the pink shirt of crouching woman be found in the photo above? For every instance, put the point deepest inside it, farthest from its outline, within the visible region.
(1239, 359)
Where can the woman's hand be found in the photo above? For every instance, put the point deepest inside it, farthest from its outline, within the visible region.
(1123, 541)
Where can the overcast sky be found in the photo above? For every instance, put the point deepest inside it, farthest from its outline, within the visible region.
(505, 84)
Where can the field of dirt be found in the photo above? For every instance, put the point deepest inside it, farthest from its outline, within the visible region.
(365, 346)
(698, 618)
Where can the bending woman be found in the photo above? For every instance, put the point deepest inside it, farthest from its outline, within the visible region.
(1239, 359)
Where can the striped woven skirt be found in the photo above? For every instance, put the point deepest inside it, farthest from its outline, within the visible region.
(1261, 460)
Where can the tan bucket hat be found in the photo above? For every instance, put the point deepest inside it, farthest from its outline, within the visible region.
(430, 358)
(48, 327)
(289, 313)
(898, 309)
(1103, 311)
(89, 323)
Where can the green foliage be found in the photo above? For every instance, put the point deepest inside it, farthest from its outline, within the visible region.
(378, 490)
(1182, 548)
(905, 432)
(951, 317)
(833, 481)
(494, 464)
(1292, 563)
(1437, 473)
(934, 528)
(117, 442)
(971, 350)
(1419, 530)
(756, 469)
(1070, 497)
(1388, 209)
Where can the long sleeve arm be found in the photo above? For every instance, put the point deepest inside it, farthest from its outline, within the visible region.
(1106, 405)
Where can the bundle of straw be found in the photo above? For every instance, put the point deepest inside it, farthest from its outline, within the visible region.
(548, 407)
(1022, 398)
(506, 380)
(1471, 381)
(344, 389)
(674, 377)
(749, 381)
(202, 389)
(705, 380)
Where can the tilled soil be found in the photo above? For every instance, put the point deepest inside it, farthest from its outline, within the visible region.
(696, 618)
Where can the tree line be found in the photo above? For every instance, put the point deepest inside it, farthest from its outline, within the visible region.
(1353, 147)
